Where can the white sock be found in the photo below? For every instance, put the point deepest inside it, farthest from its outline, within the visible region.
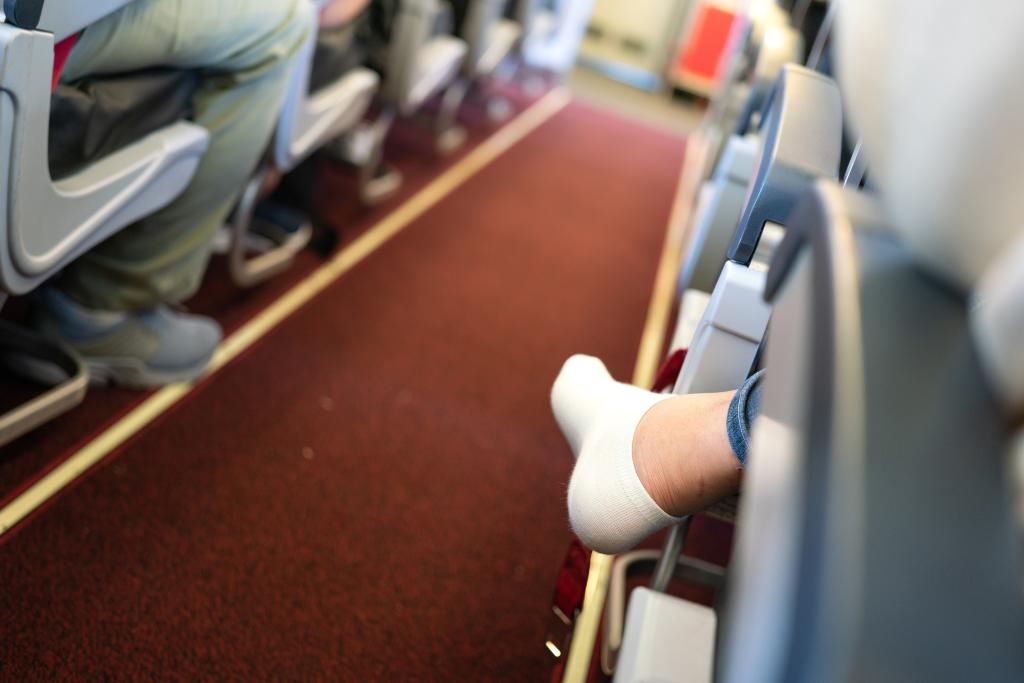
(609, 508)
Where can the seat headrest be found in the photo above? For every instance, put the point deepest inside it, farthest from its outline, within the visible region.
(933, 88)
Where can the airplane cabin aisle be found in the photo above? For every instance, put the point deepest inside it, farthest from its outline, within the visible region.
(371, 485)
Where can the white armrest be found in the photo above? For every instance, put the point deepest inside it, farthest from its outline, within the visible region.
(666, 639)
(309, 122)
(501, 38)
(436, 65)
(726, 341)
(419, 63)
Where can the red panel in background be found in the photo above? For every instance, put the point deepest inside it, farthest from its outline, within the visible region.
(702, 51)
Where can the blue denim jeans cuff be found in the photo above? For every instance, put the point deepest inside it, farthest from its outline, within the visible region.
(742, 410)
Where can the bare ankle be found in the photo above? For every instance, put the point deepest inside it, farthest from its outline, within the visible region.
(681, 453)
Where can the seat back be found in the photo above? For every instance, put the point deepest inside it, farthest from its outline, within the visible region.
(802, 140)
(762, 45)
(876, 422)
(879, 536)
(942, 164)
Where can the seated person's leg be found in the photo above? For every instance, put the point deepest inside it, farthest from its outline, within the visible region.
(645, 459)
(111, 303)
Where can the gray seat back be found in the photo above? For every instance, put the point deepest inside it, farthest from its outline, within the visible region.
(802, 140)
(877, 534)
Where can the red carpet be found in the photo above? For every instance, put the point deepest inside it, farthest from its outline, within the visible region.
(375, 492)
(409, 149)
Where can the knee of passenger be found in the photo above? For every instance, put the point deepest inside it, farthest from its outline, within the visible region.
(285, 25)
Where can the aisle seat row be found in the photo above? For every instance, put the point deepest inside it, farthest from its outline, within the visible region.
(879, 531)
(88, 159)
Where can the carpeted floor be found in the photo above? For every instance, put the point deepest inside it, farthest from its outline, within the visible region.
(374, 492)
(409, 149)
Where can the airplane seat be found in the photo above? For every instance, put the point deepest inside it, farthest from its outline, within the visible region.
(323, 102)
(896, 383)
(960, 219)
(97, 116)
(802, 140)
(337, 51)
(99, 187)
(877, 417)
(328, 94)
(730, 131)
(489, 36)
(737, 108)
(418, 62)
(552, 32)
(929, 198)
(723, 197)
(717, 214)
(781, 45)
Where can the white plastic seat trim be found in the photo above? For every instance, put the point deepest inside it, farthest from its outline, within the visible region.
(437, 63)
(666, 639)
(307, 123)
(501, 39)
(728, 335)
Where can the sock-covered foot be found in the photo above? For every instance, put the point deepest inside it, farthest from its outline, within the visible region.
(609, 507)
(137, 349)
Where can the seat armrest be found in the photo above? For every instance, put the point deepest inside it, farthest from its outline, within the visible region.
(801, 142)
(45, 223)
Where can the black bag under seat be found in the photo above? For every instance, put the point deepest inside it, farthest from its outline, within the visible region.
(94, 117)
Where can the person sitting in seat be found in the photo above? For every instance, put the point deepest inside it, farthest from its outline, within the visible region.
(644, 460)
(116, 304)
